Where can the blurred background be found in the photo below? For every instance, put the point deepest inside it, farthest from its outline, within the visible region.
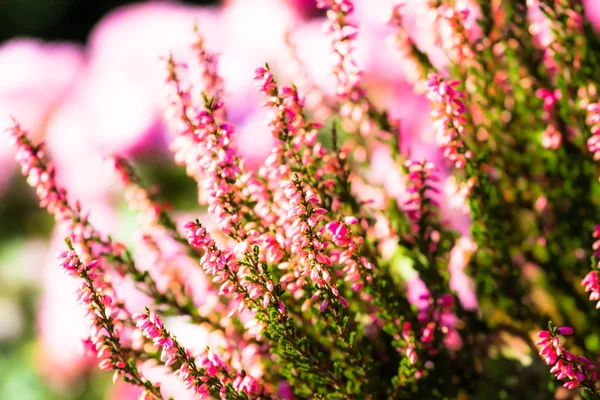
(84, 76)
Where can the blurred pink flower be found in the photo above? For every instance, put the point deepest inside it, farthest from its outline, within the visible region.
(70, 141)
(417, 293)
(252, 33)
(460, 282)
(34, 78)
(592, 12)
(124, 81)
(253, 139)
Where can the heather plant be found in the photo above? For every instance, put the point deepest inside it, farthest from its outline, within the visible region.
(317, 281)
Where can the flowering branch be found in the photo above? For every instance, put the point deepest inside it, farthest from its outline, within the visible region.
(101, 313)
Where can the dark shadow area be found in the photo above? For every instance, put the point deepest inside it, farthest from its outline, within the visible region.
(69, 20)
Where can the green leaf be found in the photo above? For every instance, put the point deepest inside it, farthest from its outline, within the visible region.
(587, 394)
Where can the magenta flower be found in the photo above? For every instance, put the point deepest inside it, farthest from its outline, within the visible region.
(576, 369)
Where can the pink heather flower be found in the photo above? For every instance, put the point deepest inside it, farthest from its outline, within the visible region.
(421, 175)
(340, 234)
(171, 352)
(41, 175)
(60, 324)
(203, 142)
(551, 138)
(235, 279)
(596, 244)
(590, 283)
(104, 314)
(593, 120)
(565, 330)
(286, 120)
(565, 365)
(201, 374)
(309, 248)
(151, 326)
(448, 121)
(203, 70)
(472, 13)
(541, 29)
(550, 98)
(453, 33)
(287, 124)
(342, 33)
(436, 316)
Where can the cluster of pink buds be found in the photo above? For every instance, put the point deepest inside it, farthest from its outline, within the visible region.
(70, 263)
(204, 144)
(234, 278)
(593, 120)
(550, 98)
(42, 177)
(438, 316)
(410, 352)
(448, 120)
(152, 328)
(203, 72)
(286, 121)
(340, 232)
(103, 314)
(342, 34)
(543, 33)
(452, 33)
(551, 137)
(590, 283)
(420, 174)
(178, 99)
(578, 370)
(304, 214)
(357, 269)
(596, 244)
(208, 376)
